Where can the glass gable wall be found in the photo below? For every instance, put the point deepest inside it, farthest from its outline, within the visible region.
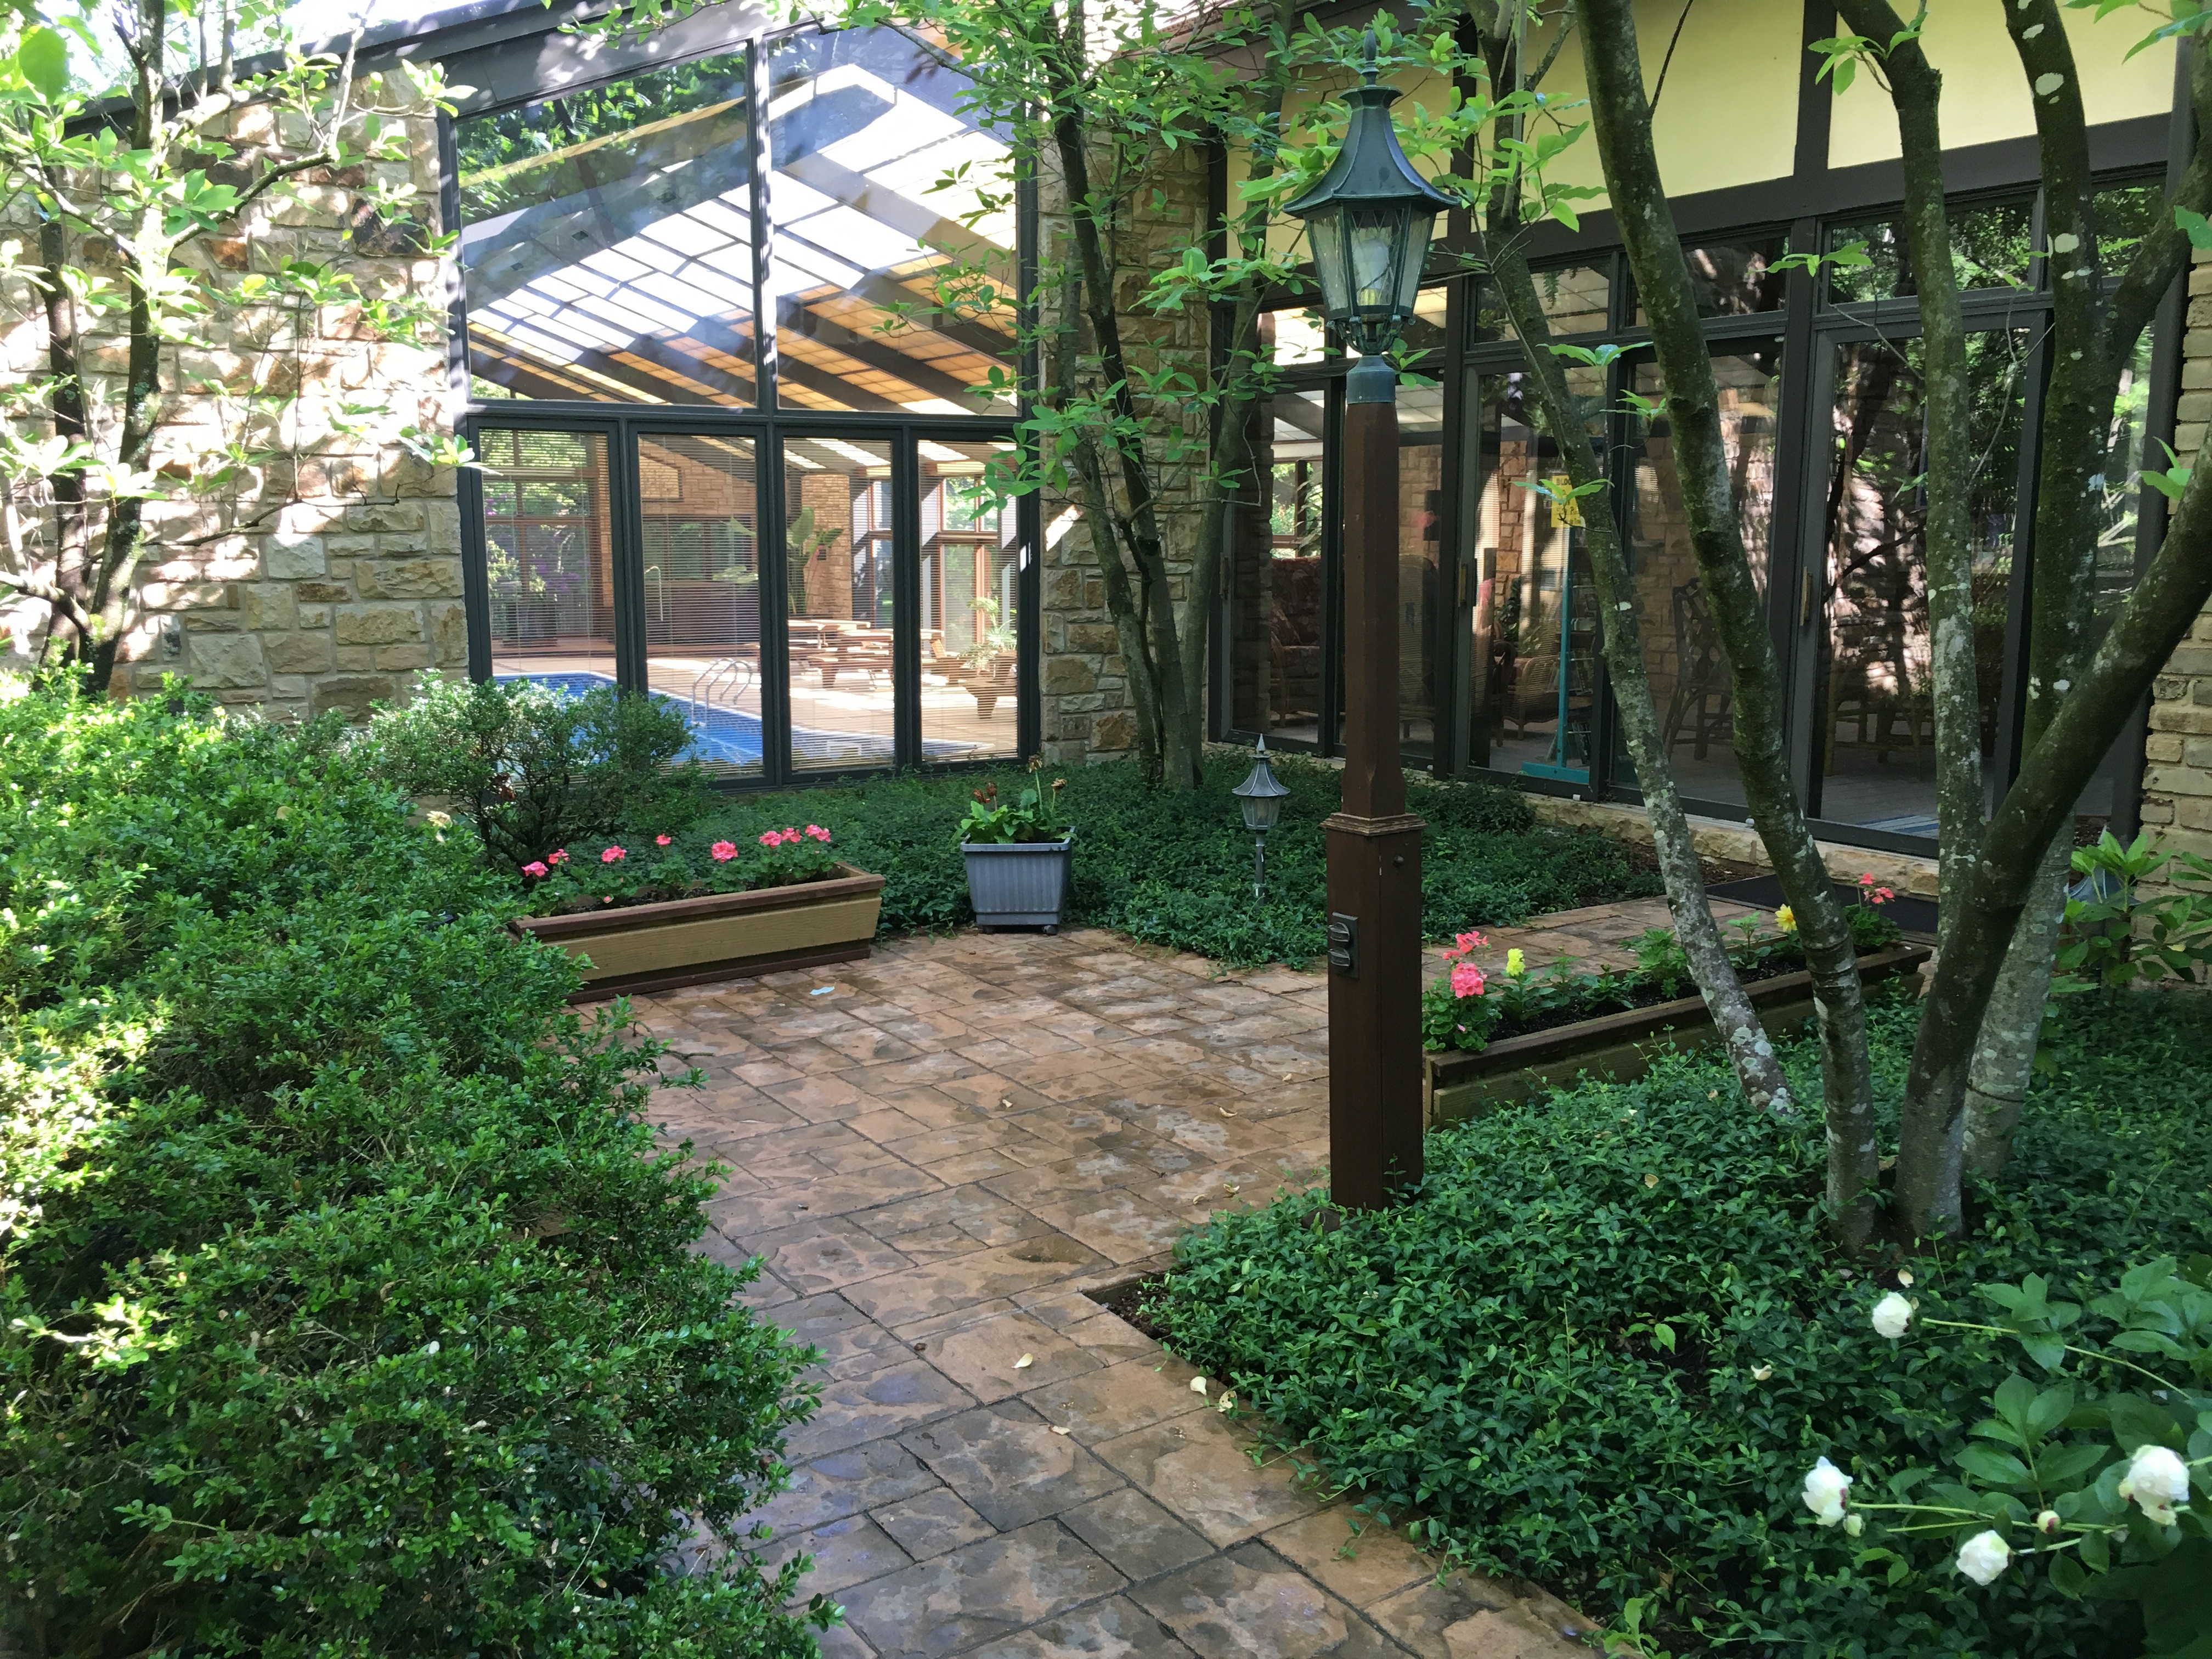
(792, 535)
(1823, 416)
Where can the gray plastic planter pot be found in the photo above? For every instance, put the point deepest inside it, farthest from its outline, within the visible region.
(1018, 884)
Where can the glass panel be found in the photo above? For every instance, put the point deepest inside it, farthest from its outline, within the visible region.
(1990, 247)
(893, 289)
(700, 515)
(1294, 336)
(549, 556)
(1275, 583)
(1736, 279)
(2120, 499)
(838, 563)
(2125, 214)
(1681, 650)
(970, 602)
(1534, 659)
(1420, 565)
(606, 239)
(1874, 757)
(1575, 300)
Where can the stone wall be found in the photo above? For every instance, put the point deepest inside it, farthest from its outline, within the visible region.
(1087, 709)
(2177, 783)
(333, 575)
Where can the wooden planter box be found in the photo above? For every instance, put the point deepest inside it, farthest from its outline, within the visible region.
(1456, 1085)
(655, 947)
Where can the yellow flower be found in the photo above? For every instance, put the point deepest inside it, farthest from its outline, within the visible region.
(1516, 963)
(1786, 920)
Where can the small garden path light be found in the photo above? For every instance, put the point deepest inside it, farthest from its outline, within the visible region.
(1369, 220)
(1260, 796)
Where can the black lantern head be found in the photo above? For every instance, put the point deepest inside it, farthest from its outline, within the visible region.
(1369, 220)
(1261, 795)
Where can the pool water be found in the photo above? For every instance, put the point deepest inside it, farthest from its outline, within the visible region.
(733, 737)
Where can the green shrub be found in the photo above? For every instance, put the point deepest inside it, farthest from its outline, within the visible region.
(345, 1305)
(1176, 870)
(1606, 1343)
(533, 768)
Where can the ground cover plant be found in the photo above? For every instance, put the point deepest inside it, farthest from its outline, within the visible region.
(1606, 1345)
(345, 1305)
(1466, 1009)
(1176, 869)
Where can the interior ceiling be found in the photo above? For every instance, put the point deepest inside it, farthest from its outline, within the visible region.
(630, 277)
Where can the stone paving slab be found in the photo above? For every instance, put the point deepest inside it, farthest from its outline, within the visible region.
(935, 1159)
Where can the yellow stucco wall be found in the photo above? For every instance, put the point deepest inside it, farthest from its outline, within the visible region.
(1985, 96)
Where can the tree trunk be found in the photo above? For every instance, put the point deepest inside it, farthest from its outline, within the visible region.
(1623, 119)
(1756, 1068)
(2005, 1057)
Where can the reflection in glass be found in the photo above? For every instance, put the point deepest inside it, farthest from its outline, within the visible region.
(1421, 564)
(549, 557)
(1681, 645)
(1293, 336)
(1990, 247)
(2118, 502)
(970, 602)
(1874, 757)
(1575, 300)
(1275, 581)
(700, 518)
(606, 239)
(837, 560)
(891, 289)
(1534, 660)
(1734, 279)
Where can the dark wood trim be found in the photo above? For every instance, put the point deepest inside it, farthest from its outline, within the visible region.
(1816, 103)
(630, 918)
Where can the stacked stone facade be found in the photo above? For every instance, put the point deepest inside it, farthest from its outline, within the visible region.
(2177, 783)
(1087, 709)
(330, 575)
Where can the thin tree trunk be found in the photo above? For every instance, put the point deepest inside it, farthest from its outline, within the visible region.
(2004, 1058)
(1916, 88)
(2089, 344)
(1623, 119)
(1756, 1068)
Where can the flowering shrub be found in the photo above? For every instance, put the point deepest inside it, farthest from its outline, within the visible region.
(676, 866)
(347, 1304)
(2091, 1485)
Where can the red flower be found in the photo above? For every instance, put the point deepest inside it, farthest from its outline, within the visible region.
(534, 869)
(560, 856)
(722, 851)
(613, 855)
(771, 838)
(662, 841)
(819, 833)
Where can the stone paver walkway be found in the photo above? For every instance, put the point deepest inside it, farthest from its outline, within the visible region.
(937, 1157)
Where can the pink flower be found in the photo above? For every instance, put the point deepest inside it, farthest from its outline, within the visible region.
(560, 856)
(1467, 980)
(722, 851)
(771, 838)
(818, 832)
(1865, 880)
(662, 841)
(534, 869)
(1883, 895)
(613, 855)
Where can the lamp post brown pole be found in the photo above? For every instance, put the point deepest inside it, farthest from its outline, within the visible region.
(1373, 844)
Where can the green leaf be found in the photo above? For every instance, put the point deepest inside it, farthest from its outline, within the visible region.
(42, 59)
(2067, 1577)
(1663, 1336)
(1998, 1469)
(2137, 1422)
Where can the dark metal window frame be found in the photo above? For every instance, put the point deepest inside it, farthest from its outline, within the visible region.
(1803, 205)
(766, 426)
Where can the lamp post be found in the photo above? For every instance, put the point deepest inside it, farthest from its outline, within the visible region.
(1261, 795)
(1369, 220)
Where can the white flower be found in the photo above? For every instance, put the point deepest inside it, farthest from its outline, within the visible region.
(1891, 1315)
(1854, 1524)
(1984, 1557)
(2159, 1481)
(2047, 1522)
(1826, 1487)
(1761, 1373)
(440, 820)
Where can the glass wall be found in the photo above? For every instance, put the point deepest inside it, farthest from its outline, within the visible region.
(1823, 423)
(549, 556)
(838, 546)
(970, 599)
(700, 541)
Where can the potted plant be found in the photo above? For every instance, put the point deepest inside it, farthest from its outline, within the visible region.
(1019, 854)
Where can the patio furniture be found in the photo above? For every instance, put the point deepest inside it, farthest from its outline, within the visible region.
(1702, 697)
